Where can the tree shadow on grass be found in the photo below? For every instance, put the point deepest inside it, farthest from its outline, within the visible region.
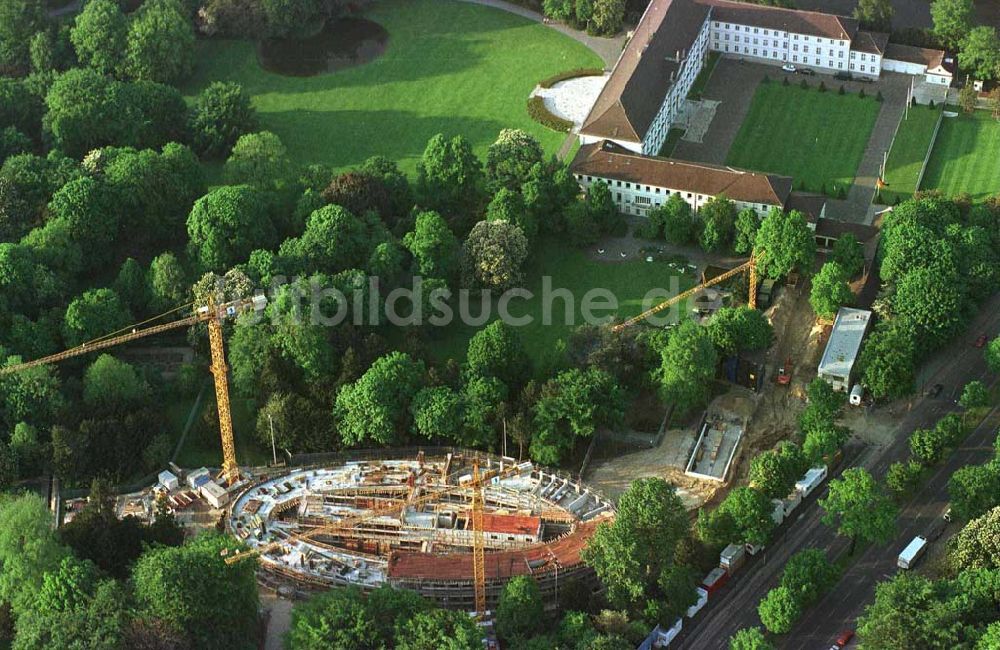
(347, 138)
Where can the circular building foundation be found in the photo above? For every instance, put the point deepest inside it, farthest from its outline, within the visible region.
(406, 521)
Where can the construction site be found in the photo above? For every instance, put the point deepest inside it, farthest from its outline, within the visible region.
(409, 521)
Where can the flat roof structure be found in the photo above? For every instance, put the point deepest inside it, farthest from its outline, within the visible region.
(535, 522)
(842, 349)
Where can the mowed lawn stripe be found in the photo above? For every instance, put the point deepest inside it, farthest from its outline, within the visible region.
(450, 67)
(818, 138)
(913, 140)
(966, 156)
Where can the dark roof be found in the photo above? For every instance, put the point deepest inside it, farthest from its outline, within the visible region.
(807, 203)
(836, 229)
(873, 42)
(813, 23)
(910, 54)
(609, 160)
(635, 90)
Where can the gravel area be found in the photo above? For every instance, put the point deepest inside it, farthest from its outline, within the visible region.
(572, 99)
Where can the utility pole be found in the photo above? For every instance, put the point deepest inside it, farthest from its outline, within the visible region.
(274, 451)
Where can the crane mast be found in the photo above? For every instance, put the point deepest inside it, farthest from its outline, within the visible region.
(478, 545)
(213, 315)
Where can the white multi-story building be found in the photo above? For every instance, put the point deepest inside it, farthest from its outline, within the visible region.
(645, 93)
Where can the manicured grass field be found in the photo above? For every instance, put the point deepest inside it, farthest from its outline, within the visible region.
(569, 268)
(818, 138)
(450, 67)
(913, 140)
(966, 156)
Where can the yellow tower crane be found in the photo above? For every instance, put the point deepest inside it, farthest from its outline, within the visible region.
(750, 266)
(213, 315)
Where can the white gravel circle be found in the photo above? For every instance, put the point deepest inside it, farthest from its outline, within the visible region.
(572, 99)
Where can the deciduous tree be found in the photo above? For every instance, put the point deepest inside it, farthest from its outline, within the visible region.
(750, 638)
(977, 545)
(779, 610)
(376, 407)
(687, 367)
(874, 14)
(573, 404)
(830, 291)
(979, 52)
(888, 360)
(747, 225)
(847, 252)
(160, 43)
(438, 629)
(858, 508)
(509, 160)
(718, 216)
(784, 242)
(98, 35)
(952, 20)
(259, 159)
(498, 351)
(735, 329)
(974, 395)
(775, 471)
(518, 611)
(111, 385)
(974, 489)
(679, 223)
(435, 249)
(450, 180)
(94, 313)
(226, 224)
(493, 255)
(438, 412)
(192, 589)
(751, 512)
(992, 354)
(634, 554)
(220, 115)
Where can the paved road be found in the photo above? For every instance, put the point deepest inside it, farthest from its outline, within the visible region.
(735, 606)
(856, 589)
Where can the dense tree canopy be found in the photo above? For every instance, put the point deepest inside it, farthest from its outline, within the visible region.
(190, 589)
(784, 243)
(859, 508)
(160, 43)
(737, 329)
(220, 115)
(574, 403)
(518, 610)
(99, 34)
(376, 407)
(226, 224)
(687, 366)
(952, 20)
(830, 291)
(493, 255)
(633, 554)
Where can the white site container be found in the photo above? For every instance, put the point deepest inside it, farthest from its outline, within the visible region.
(702, 601)
(810, 481)
(912, 552)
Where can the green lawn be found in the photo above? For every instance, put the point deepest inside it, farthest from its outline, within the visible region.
(569, 268)
(450, 67)
(203, 446)
(966, 156)
(816, 138)
(670, 143)
(698, 86)
(913, 140)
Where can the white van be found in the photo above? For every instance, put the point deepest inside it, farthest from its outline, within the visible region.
(857, 393)
(912, 552)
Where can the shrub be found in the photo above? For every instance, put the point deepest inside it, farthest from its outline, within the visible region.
(841, 192)
(930, 105)
(541, 114)
(822, 87)
(784, 81)
(841, 91)
(878, 96)
(861, 93)
(803, 85)
(548, 82)
(766, 80)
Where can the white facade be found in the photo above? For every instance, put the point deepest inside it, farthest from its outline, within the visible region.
(779, 47)
(865, 64)
(639, 198)
(677, 94)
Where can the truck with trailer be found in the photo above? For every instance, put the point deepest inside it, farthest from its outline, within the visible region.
(912, 552)
(732, 558)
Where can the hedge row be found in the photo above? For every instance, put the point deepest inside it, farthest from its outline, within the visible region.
(570, 74)
(545, 117)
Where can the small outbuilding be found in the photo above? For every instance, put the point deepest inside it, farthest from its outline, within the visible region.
(215, 494)
(844, 346)
(168, 481)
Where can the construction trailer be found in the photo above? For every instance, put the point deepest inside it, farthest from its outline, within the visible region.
(844, 346)
(168, 481)
(732, 558)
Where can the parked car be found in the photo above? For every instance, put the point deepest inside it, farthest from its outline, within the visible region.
(980, 342)
(867, 80)
(934, 390)
(947, 514)
(788, 67)
(842, 76)
(807, 71)
(844, 638)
